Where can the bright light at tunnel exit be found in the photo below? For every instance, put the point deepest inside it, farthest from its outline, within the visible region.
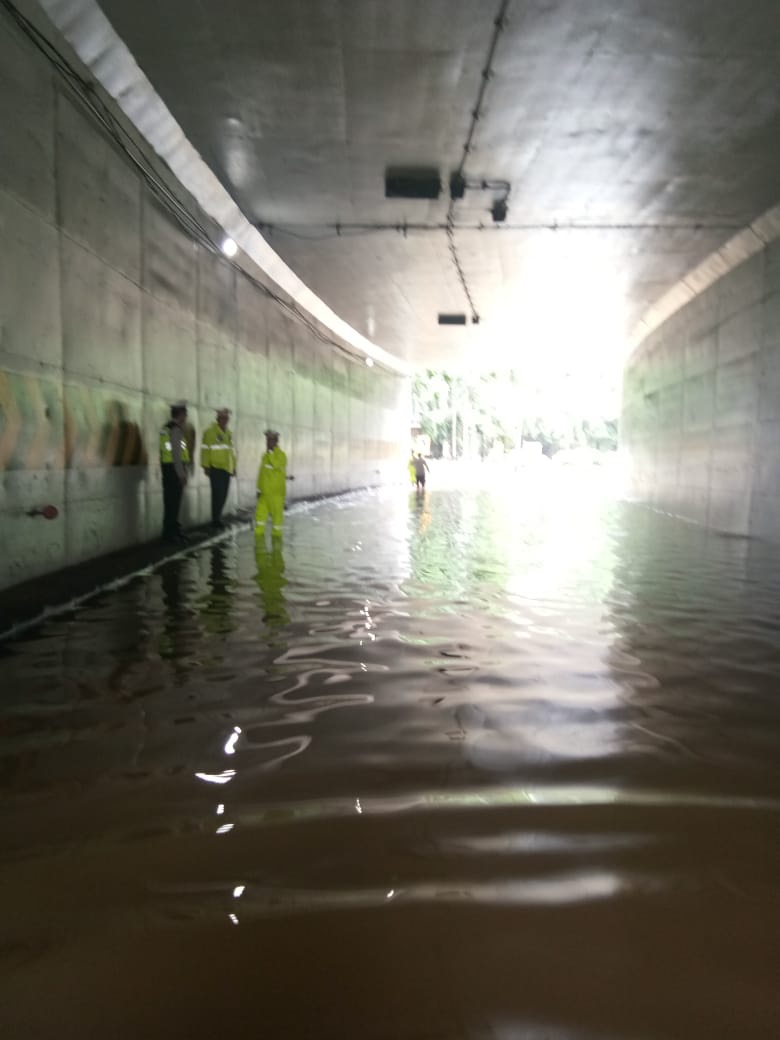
(564, 327)
(229, 247)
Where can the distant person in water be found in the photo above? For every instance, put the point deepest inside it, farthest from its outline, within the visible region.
(420, 466)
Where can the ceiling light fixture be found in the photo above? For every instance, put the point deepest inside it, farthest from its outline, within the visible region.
(229, 247)
(370, 362)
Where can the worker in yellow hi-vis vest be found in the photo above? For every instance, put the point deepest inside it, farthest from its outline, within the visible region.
(271, 487)
(174, 460)
(218, 459)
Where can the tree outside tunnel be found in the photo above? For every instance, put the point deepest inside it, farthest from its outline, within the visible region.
(477, 415)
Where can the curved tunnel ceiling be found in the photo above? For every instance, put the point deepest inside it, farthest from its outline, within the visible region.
(636, 137)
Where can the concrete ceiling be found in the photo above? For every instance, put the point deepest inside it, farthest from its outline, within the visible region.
(637, 137)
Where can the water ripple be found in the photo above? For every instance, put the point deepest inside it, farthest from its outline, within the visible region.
(475, 764)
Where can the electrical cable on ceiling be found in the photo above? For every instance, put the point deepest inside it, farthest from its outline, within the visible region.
(461, 275)
(359, 228)
(87, 94)
(499, 23)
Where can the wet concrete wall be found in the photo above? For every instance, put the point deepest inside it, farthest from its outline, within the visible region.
(701, 410)
(108, 312)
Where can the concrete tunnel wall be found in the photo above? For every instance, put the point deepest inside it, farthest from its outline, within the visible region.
(701, 405)
(108, 312)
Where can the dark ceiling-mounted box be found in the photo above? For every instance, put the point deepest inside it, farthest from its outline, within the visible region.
(417, 182)
(452, 319)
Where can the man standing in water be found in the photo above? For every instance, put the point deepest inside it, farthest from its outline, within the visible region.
(420, 466)
(174, 458)
(271, 487)
(218, 460)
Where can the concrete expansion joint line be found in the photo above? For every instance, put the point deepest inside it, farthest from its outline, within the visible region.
(747, 242)
(87, 94)
(146, 115)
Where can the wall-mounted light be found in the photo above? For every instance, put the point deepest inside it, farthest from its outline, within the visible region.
(370, 362)
(498, 211)
(229, 247)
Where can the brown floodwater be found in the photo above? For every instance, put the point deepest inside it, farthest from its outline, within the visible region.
(496, 764)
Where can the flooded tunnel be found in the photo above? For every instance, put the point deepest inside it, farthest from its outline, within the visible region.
(496, 758)
(429, 760)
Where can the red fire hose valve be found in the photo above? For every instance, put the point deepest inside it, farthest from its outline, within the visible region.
(47, 512)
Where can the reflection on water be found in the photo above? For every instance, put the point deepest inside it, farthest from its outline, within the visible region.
(501, 763)
(271, 580)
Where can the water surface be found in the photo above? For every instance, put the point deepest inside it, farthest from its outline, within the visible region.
(491, 763)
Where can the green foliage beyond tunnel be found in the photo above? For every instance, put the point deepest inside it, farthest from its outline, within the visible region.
(502, 410)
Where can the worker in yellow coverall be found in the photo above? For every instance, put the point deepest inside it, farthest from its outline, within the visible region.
(271, 487)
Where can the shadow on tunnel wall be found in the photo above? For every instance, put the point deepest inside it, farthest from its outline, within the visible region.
(121, 442)
(122, 445)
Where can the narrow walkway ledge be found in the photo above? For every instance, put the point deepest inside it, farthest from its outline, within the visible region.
(26, 604)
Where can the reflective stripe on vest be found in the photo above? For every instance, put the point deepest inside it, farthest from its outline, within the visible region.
(217, 449)
(166, 449)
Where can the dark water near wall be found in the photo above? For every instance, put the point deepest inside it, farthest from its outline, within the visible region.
(476, 765)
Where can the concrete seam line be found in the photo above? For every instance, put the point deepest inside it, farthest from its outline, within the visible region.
(739, 248)
(90, 34)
